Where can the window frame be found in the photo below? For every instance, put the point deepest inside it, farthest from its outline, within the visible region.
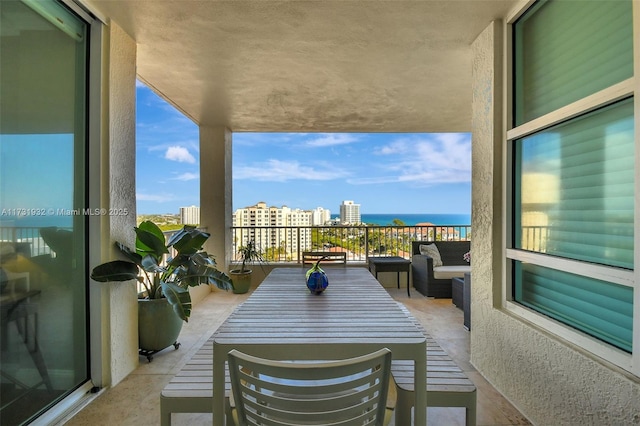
(91, 187)
(631, 278)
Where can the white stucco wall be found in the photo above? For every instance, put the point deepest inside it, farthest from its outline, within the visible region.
(216, 194)
(549, 381)
(119, 309)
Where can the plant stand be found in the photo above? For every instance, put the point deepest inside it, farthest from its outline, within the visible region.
(149, 354)
(158, 326)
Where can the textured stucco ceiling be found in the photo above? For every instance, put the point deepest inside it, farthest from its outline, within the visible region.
(366, 66)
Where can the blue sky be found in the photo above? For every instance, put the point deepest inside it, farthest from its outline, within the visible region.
(383, 172)
(26, 162)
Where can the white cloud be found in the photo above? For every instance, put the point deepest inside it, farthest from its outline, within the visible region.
(187, 176)
(332, 139)
(424, 160)
(189, 145)
(282, 171)
(179, 154)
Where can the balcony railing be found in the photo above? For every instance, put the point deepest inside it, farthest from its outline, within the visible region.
(24, 240)
(285, 244)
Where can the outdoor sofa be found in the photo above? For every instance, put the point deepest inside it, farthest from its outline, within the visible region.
(436, 281)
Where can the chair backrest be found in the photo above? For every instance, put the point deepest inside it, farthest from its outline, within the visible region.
(451, 252)
(330, 257)
(351, 391)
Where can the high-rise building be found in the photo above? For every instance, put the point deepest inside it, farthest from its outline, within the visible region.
(190, 215)
(350, 213)
(320, 216)
(287, 231)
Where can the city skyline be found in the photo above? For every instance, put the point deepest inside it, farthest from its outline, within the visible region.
(383, 172)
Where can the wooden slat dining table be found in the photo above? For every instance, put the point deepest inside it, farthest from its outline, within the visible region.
(353, 316)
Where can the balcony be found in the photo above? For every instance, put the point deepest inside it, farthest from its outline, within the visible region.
(283, 245)
(126, 404)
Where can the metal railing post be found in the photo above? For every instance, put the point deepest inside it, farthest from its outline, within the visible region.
(299, 245)
(366, 244)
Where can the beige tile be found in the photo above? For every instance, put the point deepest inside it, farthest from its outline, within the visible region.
(136, 400)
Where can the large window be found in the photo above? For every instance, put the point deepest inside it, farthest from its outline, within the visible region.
(43, 140)
(572, 171)
(567, 50)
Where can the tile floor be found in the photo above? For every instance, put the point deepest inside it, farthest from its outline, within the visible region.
(136, 399)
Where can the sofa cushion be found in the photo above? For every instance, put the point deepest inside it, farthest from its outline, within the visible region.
(432, 251)
(448, 272)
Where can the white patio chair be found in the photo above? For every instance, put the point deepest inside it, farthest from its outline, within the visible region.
(350, 392)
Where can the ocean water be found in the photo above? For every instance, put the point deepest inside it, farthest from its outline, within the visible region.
(27, 221)
(413, 219)
(372, 219)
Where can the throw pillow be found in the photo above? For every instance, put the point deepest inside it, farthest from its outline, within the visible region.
(432, 251)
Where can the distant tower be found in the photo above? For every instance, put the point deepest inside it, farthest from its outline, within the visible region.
(320, 216)
(190, 215)
(349, 213)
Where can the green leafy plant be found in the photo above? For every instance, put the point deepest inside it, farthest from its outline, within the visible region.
(249, 253)
(170, 278)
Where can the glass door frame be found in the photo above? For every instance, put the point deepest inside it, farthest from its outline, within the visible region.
(97, 373)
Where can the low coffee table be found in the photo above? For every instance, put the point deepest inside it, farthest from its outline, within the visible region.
(390, 264)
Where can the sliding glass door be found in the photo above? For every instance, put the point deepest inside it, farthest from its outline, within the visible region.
(43, 142)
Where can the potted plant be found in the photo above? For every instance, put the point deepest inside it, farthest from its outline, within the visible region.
(165, 303)
(249, 254)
